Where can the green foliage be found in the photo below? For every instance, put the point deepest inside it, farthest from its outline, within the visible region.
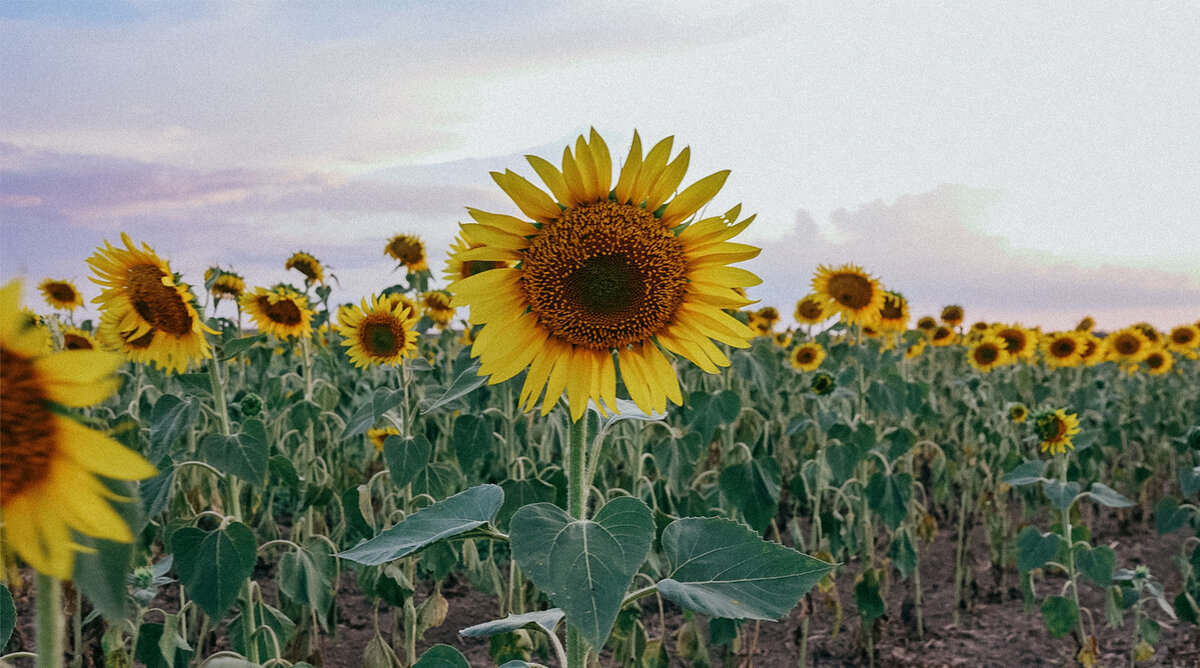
(214, 564)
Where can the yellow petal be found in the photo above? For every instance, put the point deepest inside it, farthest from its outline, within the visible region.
(651, 168)
(578, 383)
(558, 379)
(587, 170)
(552, 178)
(731, 276)
(510, 224)
(629, 171)
(608, 382)
(669, 180)
(24, 532)
(693, 198)
(100, 454)
(87, 511)
(573, 177)
(668, 380)
(530, 199)
(494, 237)
(79, 378)
(603, 161)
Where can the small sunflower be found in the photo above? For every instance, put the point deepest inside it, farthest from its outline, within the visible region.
(914, 351)
(988, 353)
(807, 356)
(49, 463)
(850, 291)
(408, 250)
(1158, 362)
(379, 331)
(822, 383)
(811, 310)
(308, 265)
(893, 315)
(62, 295)
(74, 338)
(224, 284)
(770, 314)
(980, 326)
(146, 312)
(1055, 429)
(760, 326)
(378, 436)
(927, 324)
(1086, 325)
(783, 339)
(1091, 348)
(1152, 334)
(1020, 342)
(604, 270)
(437, 305)
(1062, 349)
(1184, 339)
(458, 268)
(1018, 412)
(943, 336)
(952, 315)
(280, 312)
(1126, 347)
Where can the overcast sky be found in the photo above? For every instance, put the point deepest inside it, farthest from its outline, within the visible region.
(1029, 160)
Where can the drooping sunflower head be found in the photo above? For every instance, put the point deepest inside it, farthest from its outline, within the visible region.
(378, 435)
(1055, 429)
(822, 383)
(408, 250)
(224, 284)
(1019, 341)
(1086, 325)
(605, 268)
(811, 310)
(74, 338)
(458, 268)
(437, 305)
(308, 265)
(850, 291)
(1127, 346)
(807, 356)
(1018, 412)
(1158, 362)
(146, 312)
(988, 353)
(943, 336)
(61, 294)
(1063, 349)
(952, 315)
(379, 331)
(280, 311)
(927, 324)
(980, 326)
(893, 314)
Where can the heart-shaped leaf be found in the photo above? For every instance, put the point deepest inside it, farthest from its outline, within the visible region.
(214, 564)
(441, 656)
(245, 455)
(1107, 496)
(1059, 614)
(889, 495)
(405, 457)
(753, 489)
(1096, 563)
(584, 566)
(720, 568)
(1061, 494)
(467, 510)
(1034, 548)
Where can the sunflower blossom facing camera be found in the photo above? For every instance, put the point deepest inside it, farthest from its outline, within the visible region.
(280, 312)
(1055, 429)
(811, 310)
(379, 331)
(608, 278)
(62, 295)
(147, 313)
(49, 463)
(807, 356)
(988, 353)
(851, 292)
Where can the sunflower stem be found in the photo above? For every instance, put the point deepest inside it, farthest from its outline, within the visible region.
(222, 410)
(577, 649)
(49, 622)
(1066, 523)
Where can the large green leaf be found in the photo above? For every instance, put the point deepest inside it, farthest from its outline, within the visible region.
(889, 495)
(214, 564)
(238, 346)
(720, 568)
(245, 455)
(406, 456)
(305, 575)
(1096, 563)
(519, 493)
(1061, 494)
(441, 656)
(1107, 496)
(842, 458)
(867, 597)
(1026, 473)
(753, 489)
(369, 412)
(171, 418)
(1168, 516)
(473, 439)
(467, 510)
(584, 566)
(1034, 548)
(545, 619)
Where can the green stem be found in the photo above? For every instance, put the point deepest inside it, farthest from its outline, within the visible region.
(222, 410)
(958, 553)
(49, 622)
(1066, 522)
(577, 649)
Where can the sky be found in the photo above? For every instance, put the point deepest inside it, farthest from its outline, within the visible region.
(1031, 161)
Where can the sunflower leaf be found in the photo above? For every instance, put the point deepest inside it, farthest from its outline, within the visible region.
(214, 564)
(467, 381)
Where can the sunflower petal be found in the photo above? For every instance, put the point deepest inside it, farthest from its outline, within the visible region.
(629, 171)
(530, 199)
(669, 180)
(693, 198)
(510, 224)
(100, 454)
(79, 378)
(552, 178)
(603, 161)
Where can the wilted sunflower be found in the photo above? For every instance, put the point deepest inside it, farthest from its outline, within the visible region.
(988, 353)
(74, 338)
(146, 313)
(1019, 341)
(61, 295)
(438, 306)
(1062, 349)
(379, 331)
(893, 314)
(952, 315)
(807, 356)
(1184, 339)
(811, 311)
(943, 336)
(308, 265)
(606, 270)
(1158, 362)
(1085, 325)
(1018, 412)
(408, 251)
(49, 463)
(927, 324)
(280, 312)
(378, 436)
(1126, 347)
(822, 383)
(850, 291)
(1055, 429)
(224, 284)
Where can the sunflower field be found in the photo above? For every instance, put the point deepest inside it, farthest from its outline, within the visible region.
(591, 448)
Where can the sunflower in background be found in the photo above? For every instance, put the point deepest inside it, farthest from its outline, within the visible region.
(987, 353)
(49, 463)
(1152, 335)
(952, 315)
(943, 336)
(807, 356)
(605, 269)
(74, 338)
(378, 331)
(437, 306)
(1055, 429)
(308, 265)
(1184, 340)
(784, 339)
(1158, 362)
(822, 384)
(914, 351)
(1063, 349)
(377, 436)
(224, 284)
(280, 312)
(763, 320)
(62, 295)
(409, 251)
(927, 324)
(1020, 342)
(1091, 349)
(811, 310)
(1087, 324)
(893, 314)
(1018, 412)
(850, 292)
(146, 312)
(1126, 347)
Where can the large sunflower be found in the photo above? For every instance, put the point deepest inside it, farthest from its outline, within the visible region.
(408, 251)
(850, 291)
(811, 310)
(379, 331)
(1063, 349)
(61, 294)
(280, 312)
(49, 463)
(146, 313)
(308, 265)
(893, 314)
(807, 356)
(988, 353)
(605, 270)
(1055, 429)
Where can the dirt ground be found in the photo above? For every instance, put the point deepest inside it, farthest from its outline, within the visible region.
(996, 632)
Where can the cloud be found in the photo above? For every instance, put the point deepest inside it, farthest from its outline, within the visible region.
(931, 247)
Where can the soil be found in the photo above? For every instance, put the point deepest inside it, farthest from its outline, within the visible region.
(995, 632)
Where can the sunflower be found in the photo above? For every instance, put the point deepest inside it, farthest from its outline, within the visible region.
(1152, 334)
(61, 295)
(1184, 340)
(1126, 347)
(822, 383)
(1090, 348)
(1063, 349)
(893, 314)
(146, 313)
(811, 310)
(927, 324)
(807, 356)
(850, 291)
(280, 312)
(943, 336)
(74, 338)
(1085, 325)
(606, 271)
(768, 313)
(783, 339)
(1158, 362)
(224, 284)
(952, 315)
(438, 306)
(408, 251)
(308, 265)
(1019, 341)
(49, 463)
(914, 351)
(378, 436)
(457, 268)
(988, 353)
(1055, 429)
(1018, 412)
(980, 326)
(379, 331)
